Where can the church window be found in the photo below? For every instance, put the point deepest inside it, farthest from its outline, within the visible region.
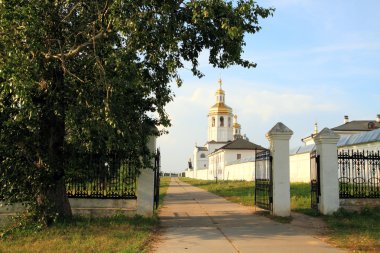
(229, 121)
(203, 155)
(221, 121)
(213, 121)
(238, 156)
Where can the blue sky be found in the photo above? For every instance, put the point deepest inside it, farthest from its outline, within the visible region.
(317, 61)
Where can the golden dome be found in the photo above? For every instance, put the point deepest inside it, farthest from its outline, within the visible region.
(236, 125)
(219, 108)
(219, 92)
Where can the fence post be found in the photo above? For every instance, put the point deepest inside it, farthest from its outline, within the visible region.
(279, 137)
(326, 146)
(145, 185)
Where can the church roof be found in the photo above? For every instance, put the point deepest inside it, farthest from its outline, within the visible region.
(216, 142)
(356, 139)
(220, 108)
(202, 148)
(358, 125)
(242, 144)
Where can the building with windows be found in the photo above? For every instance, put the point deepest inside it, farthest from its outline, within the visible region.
(225, 145)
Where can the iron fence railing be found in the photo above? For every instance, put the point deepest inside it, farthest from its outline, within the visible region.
(359, 174)
(106, 178)
(263, 180)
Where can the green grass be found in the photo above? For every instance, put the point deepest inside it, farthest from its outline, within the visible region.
(300, 200)
(84, 234)
(80, 234)
(356, 231)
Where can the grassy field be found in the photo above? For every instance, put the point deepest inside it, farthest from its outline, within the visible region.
(356, 231)
(81, 234)
(115, 234)
(242, 192)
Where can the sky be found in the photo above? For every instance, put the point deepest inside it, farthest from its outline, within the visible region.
(316, 62)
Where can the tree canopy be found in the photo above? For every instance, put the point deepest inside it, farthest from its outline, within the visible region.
(93, 76)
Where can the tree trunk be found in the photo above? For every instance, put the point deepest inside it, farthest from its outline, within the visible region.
(53, 199)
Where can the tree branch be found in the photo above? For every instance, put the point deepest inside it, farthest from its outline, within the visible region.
(75, 50)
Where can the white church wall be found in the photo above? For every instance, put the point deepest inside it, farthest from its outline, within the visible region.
(214, 146)
(240, 171)
(231, 155)
(202, 174)
(189, 173)
(216, 165)
(300, 168)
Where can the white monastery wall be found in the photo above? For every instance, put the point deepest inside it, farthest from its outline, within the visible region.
(202, 174)
(240, 171)
(299, 167)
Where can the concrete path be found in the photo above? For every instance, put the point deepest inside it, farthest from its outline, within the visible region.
(194, 220)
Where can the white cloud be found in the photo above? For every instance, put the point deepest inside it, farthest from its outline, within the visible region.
(266, 104)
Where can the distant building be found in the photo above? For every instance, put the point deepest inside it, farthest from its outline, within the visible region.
(347, 128)
(363, 135)
(356, 126)
(225, 143)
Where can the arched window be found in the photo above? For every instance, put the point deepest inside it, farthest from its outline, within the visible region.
(213, 121)
(229, 121)
(203, 155)
(221, 121)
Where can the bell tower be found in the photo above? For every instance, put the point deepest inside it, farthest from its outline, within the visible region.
(236, 128)
(220, 119)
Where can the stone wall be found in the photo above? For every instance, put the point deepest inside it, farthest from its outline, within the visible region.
(81, 206)
(357, 204)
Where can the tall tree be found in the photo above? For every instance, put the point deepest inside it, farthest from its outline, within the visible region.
(80, 75)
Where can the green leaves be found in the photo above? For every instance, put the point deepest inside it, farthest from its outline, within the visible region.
(93, 76)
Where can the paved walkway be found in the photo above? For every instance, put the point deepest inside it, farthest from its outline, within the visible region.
(194, 220)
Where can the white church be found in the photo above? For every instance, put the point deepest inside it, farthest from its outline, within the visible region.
(227, 155)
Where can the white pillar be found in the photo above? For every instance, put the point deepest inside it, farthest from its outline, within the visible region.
(279, 137)
(326, 145)
(145, 186)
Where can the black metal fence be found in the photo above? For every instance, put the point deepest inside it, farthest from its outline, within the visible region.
(263, 180)
(106, 178)
(314, 179)
(157, 167)
(359, 174)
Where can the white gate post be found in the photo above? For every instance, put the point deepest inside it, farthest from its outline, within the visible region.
(326, 145)
(279, 137)
(145, 185)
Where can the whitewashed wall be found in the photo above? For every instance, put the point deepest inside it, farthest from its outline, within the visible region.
(240, 171)
(189, 173)
(231, 155)
(300, 167)
(202, 174)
